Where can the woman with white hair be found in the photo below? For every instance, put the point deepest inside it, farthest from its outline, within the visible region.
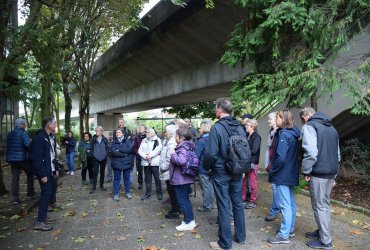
(99, 149)
(274, 209)
(149, 151)
(164, 167)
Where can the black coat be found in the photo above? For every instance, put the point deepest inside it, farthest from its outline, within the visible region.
(254, 142)
(122, 152)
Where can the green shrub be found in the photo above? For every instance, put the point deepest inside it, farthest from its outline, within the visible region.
(356, 155)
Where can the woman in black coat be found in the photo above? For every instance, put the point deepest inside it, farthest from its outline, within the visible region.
(121, 150)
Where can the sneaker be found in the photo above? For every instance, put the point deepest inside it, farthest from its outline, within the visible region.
(16, 201)
(250, 205)
(271, 217)
(186, 226)
(72, 172)
(103, 189)
(291, 234)
(277, 240)
(140, 186)
(116, 197)
(203, 209)
(92, 191)
(313, 235)
(145, 197)
(129, 196)
(319, 245)
(42, 226)
(172, 215)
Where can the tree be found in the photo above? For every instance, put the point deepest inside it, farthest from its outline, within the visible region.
(203, 109)
(286, 43)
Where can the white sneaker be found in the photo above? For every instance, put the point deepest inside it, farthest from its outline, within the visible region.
(72, 172)
(186, 227)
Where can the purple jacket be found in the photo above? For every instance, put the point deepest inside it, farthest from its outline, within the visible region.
(178, 159)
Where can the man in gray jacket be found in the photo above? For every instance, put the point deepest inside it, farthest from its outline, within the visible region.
(320, 166)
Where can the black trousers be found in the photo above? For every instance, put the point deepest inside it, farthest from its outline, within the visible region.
(139, 170)
(96, 165)
(175, 208)
(89, 168)
(149, 171)
(54, 187)
(16, 169)
(45, 198)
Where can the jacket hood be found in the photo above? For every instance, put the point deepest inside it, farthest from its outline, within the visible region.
(188, 145)
(231, 121)
(293, 131)
(320, 118)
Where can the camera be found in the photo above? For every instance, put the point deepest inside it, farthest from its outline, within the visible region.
(57, 164)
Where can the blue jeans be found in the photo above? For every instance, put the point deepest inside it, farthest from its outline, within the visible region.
(274, 210)
(45, 197)
(207, 191)
(229, 188)
(288, 208)
(182, 194)
(70, 160)
(117, 180)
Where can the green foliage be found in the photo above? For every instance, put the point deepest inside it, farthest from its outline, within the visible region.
(357, 155)
(203, 109)
(286, 43)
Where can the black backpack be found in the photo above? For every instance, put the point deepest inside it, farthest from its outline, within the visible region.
(238, 160)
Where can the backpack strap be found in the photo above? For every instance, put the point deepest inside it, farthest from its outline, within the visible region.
(224, 124)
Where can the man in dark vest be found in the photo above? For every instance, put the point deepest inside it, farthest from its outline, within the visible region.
(320, 165)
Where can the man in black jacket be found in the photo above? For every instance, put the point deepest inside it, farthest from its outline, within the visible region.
(227, 187)
(43, 152)
(320, 165)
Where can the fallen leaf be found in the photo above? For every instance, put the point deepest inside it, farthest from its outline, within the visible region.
(56, 232)
(178, 234)
(30, 246)
(2, 236)
(193, 231)
(197, 236)
(298, 214)
(70, 204)
(165, 236)
(92, 236)
(5, 228)
(163, 225)
(80, 239)
(141, 238)
(121, 226)
(20, 229)
(152, 248)
(121, 238)
(15, 217)
(356, 232)
(84, 214)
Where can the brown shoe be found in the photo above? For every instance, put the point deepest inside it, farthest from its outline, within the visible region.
(42, 226)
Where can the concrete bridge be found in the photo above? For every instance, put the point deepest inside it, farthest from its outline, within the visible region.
(174, 61)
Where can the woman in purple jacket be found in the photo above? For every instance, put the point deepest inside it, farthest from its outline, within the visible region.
(182, 182)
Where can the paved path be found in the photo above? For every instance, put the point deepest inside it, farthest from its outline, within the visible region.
(95, 221)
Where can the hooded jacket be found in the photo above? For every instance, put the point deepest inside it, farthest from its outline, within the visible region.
(165, 158)
(199, 151)
(284, 167)
(179, 159)
(320, 142)
(216, 151)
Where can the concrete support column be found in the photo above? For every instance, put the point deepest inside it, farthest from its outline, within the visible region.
(107, 121)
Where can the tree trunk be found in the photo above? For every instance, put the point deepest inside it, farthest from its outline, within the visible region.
(46, 99)
(68, 104)
(314, 100)
(3, 189)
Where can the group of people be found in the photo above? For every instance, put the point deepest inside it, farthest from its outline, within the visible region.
(169, 160)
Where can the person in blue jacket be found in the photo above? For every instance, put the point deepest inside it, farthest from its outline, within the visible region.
(204, 175)
(18, 143)
(284, 173)
(121, 151)
(70, 144)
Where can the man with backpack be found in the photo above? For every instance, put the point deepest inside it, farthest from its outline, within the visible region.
(226, 170)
